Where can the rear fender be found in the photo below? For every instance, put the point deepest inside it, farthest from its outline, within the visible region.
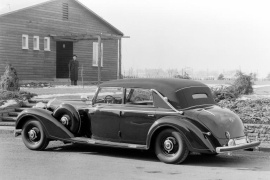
(53, 128)
(193, 135)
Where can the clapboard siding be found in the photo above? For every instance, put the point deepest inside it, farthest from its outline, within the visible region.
(46, 19)
(110, 58)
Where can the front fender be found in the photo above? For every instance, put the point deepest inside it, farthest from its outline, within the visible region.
(53, 128)
(192, 132)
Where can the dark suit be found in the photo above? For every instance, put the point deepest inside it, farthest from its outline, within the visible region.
(73, 71)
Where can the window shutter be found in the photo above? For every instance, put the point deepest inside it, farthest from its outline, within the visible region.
(47, 44)
(95, 54)
(101, 54)
(36, 43)
(24, 41)
(95, 57)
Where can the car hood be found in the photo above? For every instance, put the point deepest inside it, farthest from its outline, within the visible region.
(219, 120)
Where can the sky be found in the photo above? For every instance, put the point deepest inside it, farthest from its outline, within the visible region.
(210, 35)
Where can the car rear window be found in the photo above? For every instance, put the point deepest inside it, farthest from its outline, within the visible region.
(193, 97)
(199, 96)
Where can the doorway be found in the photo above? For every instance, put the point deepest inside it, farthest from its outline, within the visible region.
(64, 53)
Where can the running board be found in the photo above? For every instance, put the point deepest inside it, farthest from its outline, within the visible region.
(85, 140)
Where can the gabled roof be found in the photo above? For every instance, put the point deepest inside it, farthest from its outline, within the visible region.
(48, 1)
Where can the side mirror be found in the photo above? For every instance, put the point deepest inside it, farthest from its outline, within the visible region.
(165, 99)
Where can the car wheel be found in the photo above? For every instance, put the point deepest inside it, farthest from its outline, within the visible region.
(170, 147)
(33, 135)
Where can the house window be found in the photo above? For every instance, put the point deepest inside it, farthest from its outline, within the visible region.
(24, 41)
(47, 44)
(95, 54)
(36, 43)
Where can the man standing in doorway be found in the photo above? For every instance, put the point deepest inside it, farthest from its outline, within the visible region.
(73, 70)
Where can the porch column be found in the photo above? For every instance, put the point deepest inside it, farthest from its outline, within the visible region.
(119, 74)
(99, 59)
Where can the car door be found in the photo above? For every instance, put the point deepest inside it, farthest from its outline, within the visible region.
(105, 114)
(137, 116)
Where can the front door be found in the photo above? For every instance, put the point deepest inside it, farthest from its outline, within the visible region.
(105, 117)
(64, 53)
(135, 123)
(137, 116)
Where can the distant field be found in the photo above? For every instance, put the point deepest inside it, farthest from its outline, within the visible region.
(231, 82)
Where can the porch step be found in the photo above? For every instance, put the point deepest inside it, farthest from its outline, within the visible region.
(29, 105)
(20, 109)
(38, 100)
(13, 114)
(9, 119)
(7, 123)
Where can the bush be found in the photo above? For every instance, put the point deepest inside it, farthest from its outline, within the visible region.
(224, 92)
(242, 85)
(221, 77)
(18, 95)
(250, 111)
(10, 80)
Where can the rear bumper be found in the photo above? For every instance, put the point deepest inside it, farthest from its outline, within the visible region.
(237, 147)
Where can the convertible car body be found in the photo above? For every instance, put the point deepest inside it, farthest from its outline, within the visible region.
(171, 116)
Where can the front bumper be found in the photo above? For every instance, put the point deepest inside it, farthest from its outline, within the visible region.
(17, 132)
(238, 147)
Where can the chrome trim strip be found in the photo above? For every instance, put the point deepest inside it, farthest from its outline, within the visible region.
(237, 147)
(208, 112)
(197, 106)
(160, 112)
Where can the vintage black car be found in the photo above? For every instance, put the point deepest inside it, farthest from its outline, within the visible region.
(170, 116)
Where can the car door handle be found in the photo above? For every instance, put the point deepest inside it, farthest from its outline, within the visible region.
(151, 115)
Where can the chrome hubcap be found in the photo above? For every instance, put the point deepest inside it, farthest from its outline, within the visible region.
(32, 135)
(65, 120)
(169, 144)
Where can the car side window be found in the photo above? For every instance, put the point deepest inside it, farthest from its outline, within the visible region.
(137, 96)
(109, 95)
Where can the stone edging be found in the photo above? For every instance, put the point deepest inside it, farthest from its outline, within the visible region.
(259, 132)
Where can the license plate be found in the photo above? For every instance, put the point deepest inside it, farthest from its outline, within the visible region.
(240, 141)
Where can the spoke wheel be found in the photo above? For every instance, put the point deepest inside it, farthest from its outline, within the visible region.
(170, 147)
(33, 135)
